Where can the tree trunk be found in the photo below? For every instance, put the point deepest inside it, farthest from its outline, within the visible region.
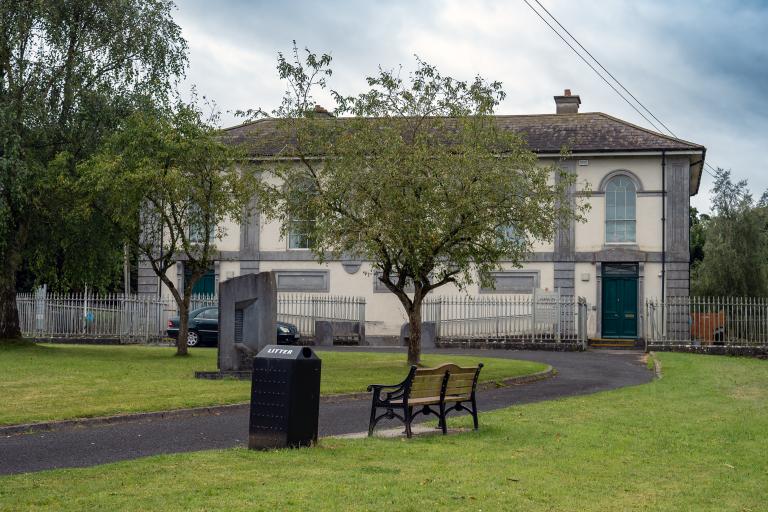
(414, 334)
(181, 342)
(183, 304)
(9, 315)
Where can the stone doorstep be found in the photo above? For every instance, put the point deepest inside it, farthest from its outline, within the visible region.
(29, 428)
(418, 430)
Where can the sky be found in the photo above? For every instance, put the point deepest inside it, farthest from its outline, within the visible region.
(700, 66)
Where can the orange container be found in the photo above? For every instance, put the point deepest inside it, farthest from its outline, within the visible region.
(705, 325)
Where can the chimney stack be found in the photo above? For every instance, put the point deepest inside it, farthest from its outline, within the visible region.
(567, 104)
(321, 111)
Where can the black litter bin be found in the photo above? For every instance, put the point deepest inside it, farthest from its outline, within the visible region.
(285, 398)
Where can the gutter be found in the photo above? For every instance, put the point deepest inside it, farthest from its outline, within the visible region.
(539, 153)
(663, 231)
(701, 171)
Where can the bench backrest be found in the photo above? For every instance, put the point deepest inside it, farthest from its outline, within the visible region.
(427, 383)
(462, 381)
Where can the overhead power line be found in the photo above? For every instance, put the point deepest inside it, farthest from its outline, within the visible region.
(590, 65)
(602, 77)
(604, 69)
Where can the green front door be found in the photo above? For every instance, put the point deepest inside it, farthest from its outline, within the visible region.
(619, 301)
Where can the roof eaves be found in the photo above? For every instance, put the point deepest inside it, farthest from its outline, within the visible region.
(646, 130)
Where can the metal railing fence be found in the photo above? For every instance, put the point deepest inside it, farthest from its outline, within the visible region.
(303, 310)
(534, 318)
(702, 321)
(143, 318)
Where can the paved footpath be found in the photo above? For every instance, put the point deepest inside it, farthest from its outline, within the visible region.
(579, 373)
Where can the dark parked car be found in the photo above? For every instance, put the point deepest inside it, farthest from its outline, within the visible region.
(204, 328)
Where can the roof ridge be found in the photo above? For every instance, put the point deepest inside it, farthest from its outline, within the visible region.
(648, 130)
(266, 119)
(247, 123)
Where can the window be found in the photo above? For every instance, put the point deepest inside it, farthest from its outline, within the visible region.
(211, 314)
(379, 287)
(302, 280)
(620, 195)
(514, 235)
(299, 234)
(513, 281)
(196, 229)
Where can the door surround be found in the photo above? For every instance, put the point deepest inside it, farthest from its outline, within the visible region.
(599, 296)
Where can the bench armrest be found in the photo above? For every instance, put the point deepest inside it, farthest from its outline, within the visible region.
(379, 387)
(395, 390)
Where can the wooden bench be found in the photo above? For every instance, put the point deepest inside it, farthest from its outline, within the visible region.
(423, 389)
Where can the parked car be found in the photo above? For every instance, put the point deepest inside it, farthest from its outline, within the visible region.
(204, 328)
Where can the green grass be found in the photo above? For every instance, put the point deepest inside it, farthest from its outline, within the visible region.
(47, 382)
(696, 440)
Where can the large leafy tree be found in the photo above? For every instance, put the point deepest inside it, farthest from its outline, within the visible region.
(168, 183)
(736, 243)
(698, 234)
(69, 72)
(418, 178)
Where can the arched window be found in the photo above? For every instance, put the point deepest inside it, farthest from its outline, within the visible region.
(620, 194)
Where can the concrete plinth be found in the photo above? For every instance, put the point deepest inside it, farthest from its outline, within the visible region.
(428, 334)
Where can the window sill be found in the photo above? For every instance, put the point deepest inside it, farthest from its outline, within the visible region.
(622, 245)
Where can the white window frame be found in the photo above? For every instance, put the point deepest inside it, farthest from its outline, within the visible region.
(195, 235)
(608, 221)
(290, 234)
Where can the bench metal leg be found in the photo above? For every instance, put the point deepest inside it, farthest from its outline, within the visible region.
(408, 419)
(474, 412)
(441, 422)
(372, 422)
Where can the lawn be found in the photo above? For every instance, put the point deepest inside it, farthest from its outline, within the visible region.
(694, 440)
(45, 382)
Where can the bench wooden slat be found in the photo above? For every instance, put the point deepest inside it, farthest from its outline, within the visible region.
(427, 400)
(463, 384)
(461, 378)
(437, 384)
(427, 378)
(457, 390)
(423, 394)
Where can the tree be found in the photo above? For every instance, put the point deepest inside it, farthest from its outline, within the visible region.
(736, 245)
(421, 180)
(69, 72)
(167, 182)
(698, 234)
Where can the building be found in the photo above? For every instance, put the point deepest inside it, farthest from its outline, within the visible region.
(633, 246)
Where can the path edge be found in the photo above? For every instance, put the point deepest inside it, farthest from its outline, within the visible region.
(214, 410)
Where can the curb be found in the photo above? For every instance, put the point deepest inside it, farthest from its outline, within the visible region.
(656, 366)
(215, 410)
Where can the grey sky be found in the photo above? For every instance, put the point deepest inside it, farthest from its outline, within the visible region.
(700, 66)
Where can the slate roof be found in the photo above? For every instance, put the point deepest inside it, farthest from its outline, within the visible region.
(588, 132)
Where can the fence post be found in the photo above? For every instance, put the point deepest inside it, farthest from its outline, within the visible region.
(85, 309)
(40, 308)
(361, 314)
(314, 312)
(559, 315)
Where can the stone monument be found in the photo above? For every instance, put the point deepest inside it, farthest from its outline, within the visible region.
(247, 322)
